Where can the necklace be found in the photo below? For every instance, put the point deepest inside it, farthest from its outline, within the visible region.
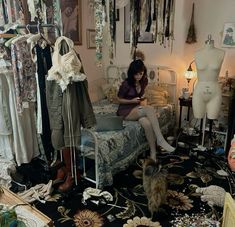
(137, 86)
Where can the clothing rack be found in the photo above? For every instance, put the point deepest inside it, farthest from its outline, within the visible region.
(5, 35)
(41, 26)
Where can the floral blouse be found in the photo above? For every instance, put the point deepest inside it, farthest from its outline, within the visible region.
(24, 73)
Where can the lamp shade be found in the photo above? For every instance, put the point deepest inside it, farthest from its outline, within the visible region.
(189, 74)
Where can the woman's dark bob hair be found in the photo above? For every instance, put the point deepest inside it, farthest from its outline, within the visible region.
(135, 67)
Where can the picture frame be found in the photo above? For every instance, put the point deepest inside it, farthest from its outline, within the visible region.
(228, 38)
(90, 35)
(71, 13)
(117, 15)
(145, 37)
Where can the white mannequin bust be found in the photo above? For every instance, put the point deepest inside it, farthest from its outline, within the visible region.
(207, 95)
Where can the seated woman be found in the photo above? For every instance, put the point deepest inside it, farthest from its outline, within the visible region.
(130, 95)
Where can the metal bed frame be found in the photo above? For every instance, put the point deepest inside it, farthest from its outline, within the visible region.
(86, 151)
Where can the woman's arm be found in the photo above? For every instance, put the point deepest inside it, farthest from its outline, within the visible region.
(123, 97)
(128, 101)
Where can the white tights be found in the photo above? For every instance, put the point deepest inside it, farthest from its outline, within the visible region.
(146, 115)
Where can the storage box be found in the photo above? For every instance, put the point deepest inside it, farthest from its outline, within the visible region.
(229, 211)
(26, 210)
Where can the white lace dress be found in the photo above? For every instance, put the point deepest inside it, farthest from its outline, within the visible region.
(6, 139)
(25, 146)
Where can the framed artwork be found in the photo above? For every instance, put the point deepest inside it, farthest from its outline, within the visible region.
(117, 15)
(228, 39)
(145, 37)
(90, 36)
(71, 13)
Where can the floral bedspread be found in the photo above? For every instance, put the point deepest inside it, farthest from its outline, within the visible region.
(117, 149)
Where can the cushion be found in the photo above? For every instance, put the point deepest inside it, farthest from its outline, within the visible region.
(110, 92)
(156, 95)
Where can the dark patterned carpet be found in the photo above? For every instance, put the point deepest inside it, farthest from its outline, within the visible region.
(187, 170)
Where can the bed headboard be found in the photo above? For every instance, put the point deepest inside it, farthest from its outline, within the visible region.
(160, 75)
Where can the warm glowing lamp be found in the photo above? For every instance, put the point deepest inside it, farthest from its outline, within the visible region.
(189, 74)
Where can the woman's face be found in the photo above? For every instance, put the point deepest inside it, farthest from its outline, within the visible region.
(138, 76)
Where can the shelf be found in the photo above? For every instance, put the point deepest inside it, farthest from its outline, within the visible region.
(226, 95)
(216, 131)
(219, 132)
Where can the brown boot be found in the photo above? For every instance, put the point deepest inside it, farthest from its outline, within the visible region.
(67, 185)
(69, 181)
(60, 175)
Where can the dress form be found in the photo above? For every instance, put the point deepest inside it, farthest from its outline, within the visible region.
(207, 96)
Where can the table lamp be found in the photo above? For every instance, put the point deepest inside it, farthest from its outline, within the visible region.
(189, 74)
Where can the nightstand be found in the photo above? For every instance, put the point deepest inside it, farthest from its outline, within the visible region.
(187, 103)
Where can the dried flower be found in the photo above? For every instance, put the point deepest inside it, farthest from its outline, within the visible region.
(178, 200)
(87, 218)
(141, 222)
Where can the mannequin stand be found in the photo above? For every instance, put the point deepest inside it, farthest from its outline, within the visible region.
(210, 132)
(203, 131)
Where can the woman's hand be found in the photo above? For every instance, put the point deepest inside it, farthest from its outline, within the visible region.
(136, 100)
(129, 101)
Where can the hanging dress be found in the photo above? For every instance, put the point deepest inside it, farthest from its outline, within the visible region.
(41, 56)
(6, 139)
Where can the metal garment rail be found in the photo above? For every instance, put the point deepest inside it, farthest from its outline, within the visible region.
(38, 26)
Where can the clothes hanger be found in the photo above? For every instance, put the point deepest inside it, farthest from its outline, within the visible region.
(11, 36)
(8, 42)
(22, 35)
(35, 38)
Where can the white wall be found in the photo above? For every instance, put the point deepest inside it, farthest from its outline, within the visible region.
(156, 54)
(210, 16)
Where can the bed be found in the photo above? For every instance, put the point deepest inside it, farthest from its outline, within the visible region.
(107, 153)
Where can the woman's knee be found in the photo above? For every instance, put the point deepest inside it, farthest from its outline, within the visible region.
(144, 121)
(149, 108)
(143, 111)
(133, 115)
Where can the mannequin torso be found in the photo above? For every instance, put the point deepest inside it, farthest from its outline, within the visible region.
(207, 94)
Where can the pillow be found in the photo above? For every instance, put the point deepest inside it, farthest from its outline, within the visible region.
(110, 92)
(156, 95)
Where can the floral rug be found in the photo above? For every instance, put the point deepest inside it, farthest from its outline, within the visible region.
(125, 203)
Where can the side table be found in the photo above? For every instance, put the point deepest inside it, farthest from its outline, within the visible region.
(186, 103)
